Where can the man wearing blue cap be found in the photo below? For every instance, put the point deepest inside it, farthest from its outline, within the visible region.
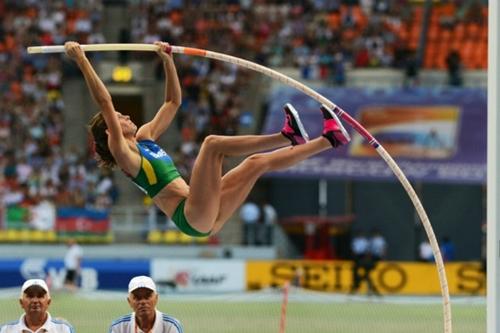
(143, 298)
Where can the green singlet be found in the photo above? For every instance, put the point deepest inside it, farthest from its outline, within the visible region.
(157, 171)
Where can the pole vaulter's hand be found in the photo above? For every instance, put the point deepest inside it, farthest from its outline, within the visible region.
(164, 50)
(74, 51)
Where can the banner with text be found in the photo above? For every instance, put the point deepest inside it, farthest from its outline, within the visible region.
(199, 275)
(95, 274)
(402, 278)
(435, 135)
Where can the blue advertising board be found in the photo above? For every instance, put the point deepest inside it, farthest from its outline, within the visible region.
(435, 135)
(95, 273)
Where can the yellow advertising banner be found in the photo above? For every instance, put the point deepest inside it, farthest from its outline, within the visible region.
(388, 277)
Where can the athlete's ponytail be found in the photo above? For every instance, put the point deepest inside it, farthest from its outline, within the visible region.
(97, 128)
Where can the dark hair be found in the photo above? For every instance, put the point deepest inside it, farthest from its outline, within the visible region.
(97, 128)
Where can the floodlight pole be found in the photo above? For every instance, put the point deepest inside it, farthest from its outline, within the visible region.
(493, 182)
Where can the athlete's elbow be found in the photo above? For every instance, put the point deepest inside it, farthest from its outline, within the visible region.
(174, 103)
(104, 100)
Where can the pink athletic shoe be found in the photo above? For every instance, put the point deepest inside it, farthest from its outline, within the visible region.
(333, 129)
(293, 128)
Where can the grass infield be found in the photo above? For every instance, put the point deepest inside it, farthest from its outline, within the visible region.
(219, 314)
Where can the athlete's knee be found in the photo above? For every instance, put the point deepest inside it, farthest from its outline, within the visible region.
(213, 142)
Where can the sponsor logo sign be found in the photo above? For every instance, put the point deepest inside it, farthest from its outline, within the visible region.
(464, 278)
(199, 275)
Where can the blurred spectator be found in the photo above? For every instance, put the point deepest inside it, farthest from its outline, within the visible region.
(454, 64)
(43, 214)
(378, 245)
(338, 69)
(472, 12)
(269, 217)
(425, 251)
(2, 205)
(72, 264)
(411, 70)
(250, 215)
(447, 249)
(363, 263)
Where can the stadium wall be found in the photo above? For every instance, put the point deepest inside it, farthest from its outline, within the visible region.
(455, 210)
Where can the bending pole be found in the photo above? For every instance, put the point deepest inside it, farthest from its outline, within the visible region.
(322, 100)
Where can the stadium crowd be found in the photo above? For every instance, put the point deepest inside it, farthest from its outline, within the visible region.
(35, 171)
(271, 33)
(322, 38)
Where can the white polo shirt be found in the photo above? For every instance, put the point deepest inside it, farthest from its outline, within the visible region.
(163, 324)
(50, 326)
(72, 257)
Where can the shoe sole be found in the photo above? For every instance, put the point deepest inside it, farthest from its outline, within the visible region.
(289, 107)
(337, 120)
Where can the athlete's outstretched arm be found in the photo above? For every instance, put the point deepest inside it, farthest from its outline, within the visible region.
(173, 98)
(100, 95)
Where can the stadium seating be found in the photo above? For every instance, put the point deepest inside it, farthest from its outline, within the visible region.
(174, 237)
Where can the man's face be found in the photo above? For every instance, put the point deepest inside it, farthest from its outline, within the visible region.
(35, 301)
(143, 301)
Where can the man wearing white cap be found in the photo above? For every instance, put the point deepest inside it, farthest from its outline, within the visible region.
(143, 298)
(35, 300)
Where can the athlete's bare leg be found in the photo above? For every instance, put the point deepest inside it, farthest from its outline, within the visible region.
(213, 198)
(237, 183)
(243, 145)
(202, 204)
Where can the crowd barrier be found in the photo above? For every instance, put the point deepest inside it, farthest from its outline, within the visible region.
(221, 275)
